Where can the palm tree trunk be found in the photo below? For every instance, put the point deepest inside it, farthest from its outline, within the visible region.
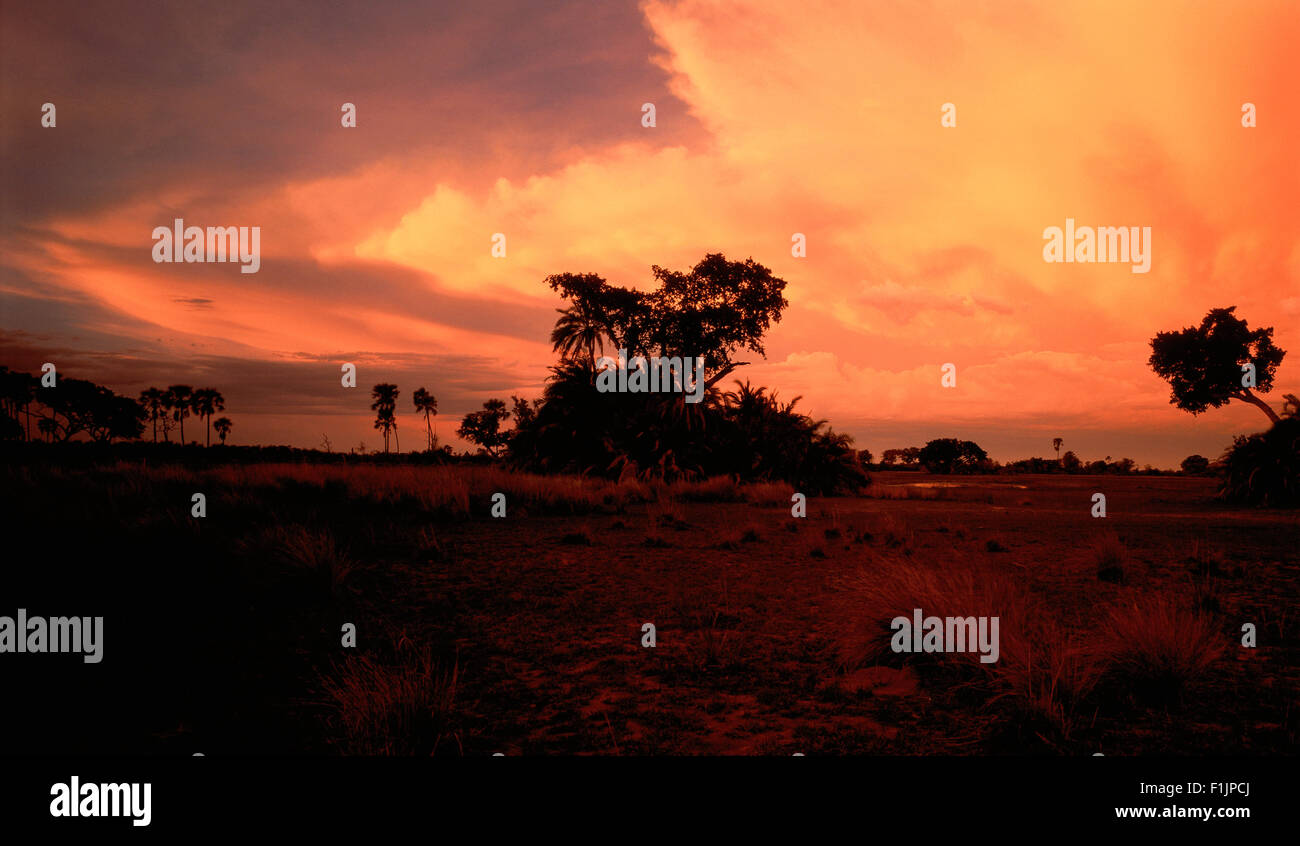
(209, 437)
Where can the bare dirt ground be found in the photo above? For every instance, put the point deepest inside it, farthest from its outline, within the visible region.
(544, 617)
(523, 635)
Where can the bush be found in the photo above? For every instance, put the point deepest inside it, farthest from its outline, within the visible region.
(1264, 469)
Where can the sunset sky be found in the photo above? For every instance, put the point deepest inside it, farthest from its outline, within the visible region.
(924, 242)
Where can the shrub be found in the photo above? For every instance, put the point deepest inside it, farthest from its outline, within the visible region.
(1264, 469)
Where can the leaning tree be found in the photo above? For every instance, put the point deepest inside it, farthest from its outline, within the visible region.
(1221, 360)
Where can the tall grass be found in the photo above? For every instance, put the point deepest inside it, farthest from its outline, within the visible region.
(1161, 646)
(1046, 673)
(405, 707)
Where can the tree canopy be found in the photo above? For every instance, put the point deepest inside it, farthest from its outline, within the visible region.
(1206, 365)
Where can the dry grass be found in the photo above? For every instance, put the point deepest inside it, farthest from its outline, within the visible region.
(1160, 647)
(1042, 674)
(401, 708)
(451, 491)
(1109, 556)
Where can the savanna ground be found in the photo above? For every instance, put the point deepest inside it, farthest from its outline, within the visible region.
(522, 635)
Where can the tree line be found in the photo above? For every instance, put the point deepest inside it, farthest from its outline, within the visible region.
(69, 407)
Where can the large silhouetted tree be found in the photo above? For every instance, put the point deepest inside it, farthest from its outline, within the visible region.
(714, 310)
(1206, 365)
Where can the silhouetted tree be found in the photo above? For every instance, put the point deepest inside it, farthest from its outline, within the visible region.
(950, 455)
(17, 390)
(223, 425)
(1195, 465)
(182, 398)
(154, 402)
(484, 427)
(1056, 444)
(206, 402)
(713, 310)
(75, 406)
(48, 428)
(385, 408)
(427, 404)
(581, 331)
(1204, 365)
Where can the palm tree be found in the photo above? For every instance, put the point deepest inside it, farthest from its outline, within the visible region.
(48, 428)
(207, 402)
(427, 404)
(155, 403)
(223, 427)
(182, 397)
(1056, 443)
(579, 330)
(385, 408)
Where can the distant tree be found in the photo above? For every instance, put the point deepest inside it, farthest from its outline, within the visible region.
(223, 425)
(17, 390)
(1195, 465)
(206, 402)
(167, 419)
(154, 402)
(1071, 462)
(48, 428)
(385, 408)
(864, 456)
(1124, 465)
(115, 416)
(1056, 444)
(427, 404)
(182, 404)
(76, 406)
(950, 455)
(1203, 365)
(484, 427)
